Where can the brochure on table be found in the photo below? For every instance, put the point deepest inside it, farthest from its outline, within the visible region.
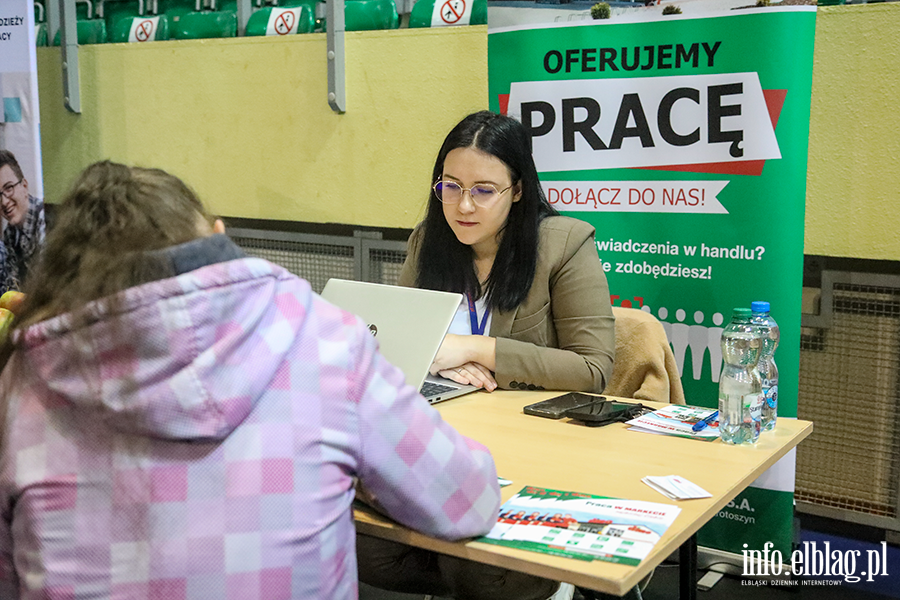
(581, 526)
(677, 420)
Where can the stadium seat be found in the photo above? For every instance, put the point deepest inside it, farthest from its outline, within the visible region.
(121, 33)
(174, 9)
(89, 32)
(367, 15)
(84, 10)
(198, 25)
(115, 10)
(423, 9)
(40, 34)
(259, 21)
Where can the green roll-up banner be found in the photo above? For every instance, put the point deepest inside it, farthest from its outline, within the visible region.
(683, 140)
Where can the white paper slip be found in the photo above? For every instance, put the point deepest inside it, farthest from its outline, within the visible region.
(503, 482)
(675, 487)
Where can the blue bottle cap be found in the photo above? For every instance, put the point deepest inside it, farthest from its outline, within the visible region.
(759, 306)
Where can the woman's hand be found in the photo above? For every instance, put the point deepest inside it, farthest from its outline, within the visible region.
(470, 373)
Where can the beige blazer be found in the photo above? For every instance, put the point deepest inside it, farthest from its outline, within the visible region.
(645, 364)
(562, 337)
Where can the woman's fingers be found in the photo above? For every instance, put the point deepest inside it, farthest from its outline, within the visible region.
(470, 374)
(483, 374)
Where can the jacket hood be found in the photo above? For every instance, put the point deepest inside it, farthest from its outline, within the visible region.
(184, 358)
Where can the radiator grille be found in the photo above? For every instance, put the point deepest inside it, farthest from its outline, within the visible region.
(318, 258)
(384, 264)
(315, 262)
(849, 389)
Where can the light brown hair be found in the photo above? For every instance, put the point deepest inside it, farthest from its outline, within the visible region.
(106, 230)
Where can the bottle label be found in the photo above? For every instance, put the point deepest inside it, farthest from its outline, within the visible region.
(753, 405)
(772, 396)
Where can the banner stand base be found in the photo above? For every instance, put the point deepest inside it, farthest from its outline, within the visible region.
(720, 562)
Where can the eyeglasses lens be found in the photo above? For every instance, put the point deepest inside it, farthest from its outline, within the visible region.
(448, 191)
(482, 194)
(7, 190)
(451, 192)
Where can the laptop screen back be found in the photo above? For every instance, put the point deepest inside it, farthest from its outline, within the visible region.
(408, 323)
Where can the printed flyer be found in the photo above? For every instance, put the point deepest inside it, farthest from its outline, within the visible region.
(581, 526)
(677, 420)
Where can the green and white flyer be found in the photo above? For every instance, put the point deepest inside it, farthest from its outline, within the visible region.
(581, 526)
(683, 140)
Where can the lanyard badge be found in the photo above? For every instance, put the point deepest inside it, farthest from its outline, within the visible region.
(473, 317)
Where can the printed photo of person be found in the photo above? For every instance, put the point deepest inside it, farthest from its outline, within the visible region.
(24, 224)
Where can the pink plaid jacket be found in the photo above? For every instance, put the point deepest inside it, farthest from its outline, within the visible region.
(202, 441)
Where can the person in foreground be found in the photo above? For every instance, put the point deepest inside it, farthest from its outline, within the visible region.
(533, 282)
(181, 421)
(25, 224)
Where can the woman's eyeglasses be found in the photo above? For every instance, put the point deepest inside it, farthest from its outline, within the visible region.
(482, 194)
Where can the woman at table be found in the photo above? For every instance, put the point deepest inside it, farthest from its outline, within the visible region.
(536, 313)
(181, 421)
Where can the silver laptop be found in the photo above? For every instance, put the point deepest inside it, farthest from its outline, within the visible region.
(409, 325)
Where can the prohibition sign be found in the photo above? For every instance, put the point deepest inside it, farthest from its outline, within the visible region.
(144, 30)
(284, 23)
(452, 11)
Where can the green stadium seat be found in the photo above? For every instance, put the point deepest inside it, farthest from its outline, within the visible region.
(423, 9)
(259, 20)
(39, 14)
(232, 4)
(367, 15)
(115, 10)
(89, 32)
(121, 33)
(198, 25)
(40, 35)
(174, 9)
(84, 10)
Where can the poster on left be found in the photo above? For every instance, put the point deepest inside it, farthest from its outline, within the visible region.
(20, 127)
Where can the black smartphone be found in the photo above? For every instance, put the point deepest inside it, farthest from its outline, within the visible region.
(603, 413)
(555, 407)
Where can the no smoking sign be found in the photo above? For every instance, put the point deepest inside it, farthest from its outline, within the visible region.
(451, 12)
(283, 21)
(143, 30)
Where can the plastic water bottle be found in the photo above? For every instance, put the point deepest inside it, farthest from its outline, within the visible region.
(768, 372)
(740, 389)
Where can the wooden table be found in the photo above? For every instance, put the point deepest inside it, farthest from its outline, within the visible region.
(606, 461)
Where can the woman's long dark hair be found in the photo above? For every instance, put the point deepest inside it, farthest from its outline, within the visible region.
(447, 264)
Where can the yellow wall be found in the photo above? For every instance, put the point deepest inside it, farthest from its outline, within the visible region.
(853, 182)
(246, 122)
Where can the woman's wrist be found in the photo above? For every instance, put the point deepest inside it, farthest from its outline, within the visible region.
(484, 351)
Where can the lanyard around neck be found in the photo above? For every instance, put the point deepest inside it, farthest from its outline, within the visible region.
(473, 316)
